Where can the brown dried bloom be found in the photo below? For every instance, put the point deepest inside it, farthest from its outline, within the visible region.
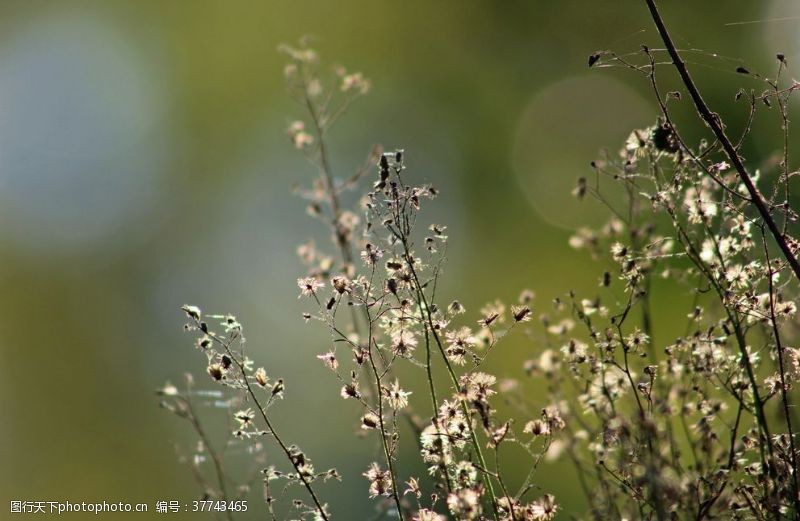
(380, 481)
(261, 377)
(543, 509)
(309, 286)
(396, 397)
(215, 371)
(329, 359)
(521, 313)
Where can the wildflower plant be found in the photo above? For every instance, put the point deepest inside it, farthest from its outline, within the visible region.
(708, 430)
(377, 296)
(697, 426)
(250, 395)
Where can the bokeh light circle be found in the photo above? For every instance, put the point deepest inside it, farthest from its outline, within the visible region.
(560, 132)
(82, 145)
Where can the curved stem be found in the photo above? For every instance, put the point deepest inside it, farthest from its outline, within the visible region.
(210, 449)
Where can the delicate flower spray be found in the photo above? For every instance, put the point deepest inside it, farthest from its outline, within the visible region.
(699, 425)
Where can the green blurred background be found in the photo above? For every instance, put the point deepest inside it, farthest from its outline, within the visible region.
(144, 164)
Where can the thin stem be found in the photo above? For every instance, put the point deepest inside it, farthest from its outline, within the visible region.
(387, 453)
(210, 449)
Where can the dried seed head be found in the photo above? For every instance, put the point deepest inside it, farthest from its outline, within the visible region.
(193, 312)
(537, 428)
(215, 371)
(329, 359)
(370, 421)
(340, 283)
(261, 377)
(350, 391)
(277, 389)
(521, 313)
(580, 188)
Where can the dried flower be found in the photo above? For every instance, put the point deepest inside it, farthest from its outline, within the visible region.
(245, 418)
(350, 391)
(380, 481)
(397, 398)
(215, 371)
(309, 286)
(261, 377)
(543, 509)
(370, 421)
(521, 313)
(297, 133)
(329, 359)
(193, 312)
